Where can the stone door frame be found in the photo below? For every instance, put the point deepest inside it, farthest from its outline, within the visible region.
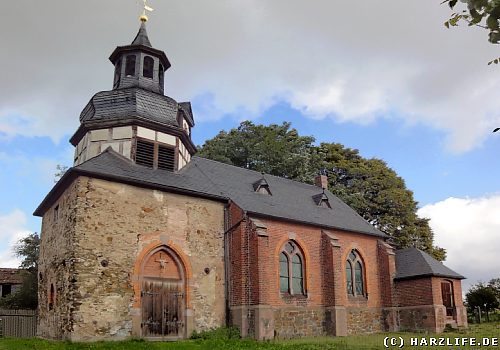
(450, 293)
(138, 279)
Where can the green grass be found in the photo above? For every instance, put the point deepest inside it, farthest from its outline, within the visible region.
(361, 342)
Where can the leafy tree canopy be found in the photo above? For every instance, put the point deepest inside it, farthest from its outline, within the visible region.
(27, 297)
(495, 284)
(482, 13)
(369, 186)
(484, 296)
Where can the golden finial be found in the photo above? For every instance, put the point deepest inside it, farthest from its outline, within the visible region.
(144, 17)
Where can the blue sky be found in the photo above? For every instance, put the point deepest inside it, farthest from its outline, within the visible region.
(387, 79)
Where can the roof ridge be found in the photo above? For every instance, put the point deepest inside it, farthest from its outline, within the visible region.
(261, 173)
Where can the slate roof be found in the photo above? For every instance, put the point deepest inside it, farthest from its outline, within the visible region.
(142, 37)
(140, 43)
(290, 200)
(131, 103)
(414, 263)
(10, 276)
(188, 112)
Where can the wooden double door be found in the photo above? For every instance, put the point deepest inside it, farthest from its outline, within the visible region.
(162, 308)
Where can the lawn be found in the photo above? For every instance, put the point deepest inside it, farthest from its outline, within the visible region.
(365, 342)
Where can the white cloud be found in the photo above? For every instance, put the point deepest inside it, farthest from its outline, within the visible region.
(45, 168)
(330, 59)
(469, 229)
(13, 228)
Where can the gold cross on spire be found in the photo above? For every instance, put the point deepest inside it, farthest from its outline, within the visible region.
(144, 17)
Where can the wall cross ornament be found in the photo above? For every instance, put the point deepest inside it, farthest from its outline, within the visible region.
(163, 262)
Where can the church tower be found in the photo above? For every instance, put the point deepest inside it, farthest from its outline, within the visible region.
(130, 246)
(135, 118)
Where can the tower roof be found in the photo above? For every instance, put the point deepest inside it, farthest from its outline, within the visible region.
(142, 36)
(141, 43)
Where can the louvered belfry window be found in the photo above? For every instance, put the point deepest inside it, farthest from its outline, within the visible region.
(166, 158)
(144, 153)
(154, 155)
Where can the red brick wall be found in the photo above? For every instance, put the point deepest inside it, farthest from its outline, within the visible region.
(320, 269)
(235, 241)
(415, 292)
(457, 290)
(387, 269)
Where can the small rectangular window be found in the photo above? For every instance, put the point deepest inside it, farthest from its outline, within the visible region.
(56, 213)
(6, 290)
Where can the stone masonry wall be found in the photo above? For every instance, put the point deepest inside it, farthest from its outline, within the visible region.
(116, 223)
(299, 322)
(363, 320)
(56, 264)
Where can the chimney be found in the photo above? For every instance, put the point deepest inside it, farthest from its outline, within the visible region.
(321, 181)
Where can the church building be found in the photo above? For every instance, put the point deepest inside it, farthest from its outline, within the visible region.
(142, 238)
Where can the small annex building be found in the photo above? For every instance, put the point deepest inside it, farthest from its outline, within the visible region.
(143, 238)
(11, 281)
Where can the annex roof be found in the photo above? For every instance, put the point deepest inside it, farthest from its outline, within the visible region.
(10, 276)
(414, 263)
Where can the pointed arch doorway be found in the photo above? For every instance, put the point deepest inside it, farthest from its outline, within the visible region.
(163, 295)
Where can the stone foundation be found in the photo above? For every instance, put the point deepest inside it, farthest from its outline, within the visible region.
(363, 320)
(299, 322)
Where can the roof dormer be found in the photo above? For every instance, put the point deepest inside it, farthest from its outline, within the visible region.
(261, 186)
(322, 200)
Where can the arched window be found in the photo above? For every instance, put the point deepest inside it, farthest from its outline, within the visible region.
(148, 67)
(130, 66)
(355, 275)
(291, 269)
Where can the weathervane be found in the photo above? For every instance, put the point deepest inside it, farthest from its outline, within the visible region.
(144, 17)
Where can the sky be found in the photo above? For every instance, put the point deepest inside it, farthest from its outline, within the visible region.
(384, 77)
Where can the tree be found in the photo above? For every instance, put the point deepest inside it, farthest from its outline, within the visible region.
(369, 186)
(495, 285)
(375, 191)
(27, 297)
(482, 296)
(480, 13)
(274, 149)
(60, 171)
